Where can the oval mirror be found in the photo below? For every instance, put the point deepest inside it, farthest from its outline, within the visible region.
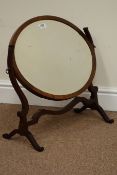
(53, 58)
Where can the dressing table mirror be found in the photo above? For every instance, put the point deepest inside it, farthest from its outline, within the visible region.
(53, 59)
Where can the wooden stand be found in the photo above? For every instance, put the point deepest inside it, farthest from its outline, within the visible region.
(23, 128)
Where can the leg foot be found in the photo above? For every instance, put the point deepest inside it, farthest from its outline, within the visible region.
(8, 136)
(28, 135)
(78, 110)
(104, 115)
(33, 142)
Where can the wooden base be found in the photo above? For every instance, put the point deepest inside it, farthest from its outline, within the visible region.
(91, 103)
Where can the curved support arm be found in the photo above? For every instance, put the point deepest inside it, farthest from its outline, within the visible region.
(88, 35)
(22, 97)
(68, 107)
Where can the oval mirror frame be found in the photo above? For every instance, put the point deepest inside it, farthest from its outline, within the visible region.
(32, 88)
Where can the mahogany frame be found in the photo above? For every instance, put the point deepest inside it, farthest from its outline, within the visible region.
(28, 85)
(14, 75)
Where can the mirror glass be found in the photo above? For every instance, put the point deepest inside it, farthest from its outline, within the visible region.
(53, 57)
